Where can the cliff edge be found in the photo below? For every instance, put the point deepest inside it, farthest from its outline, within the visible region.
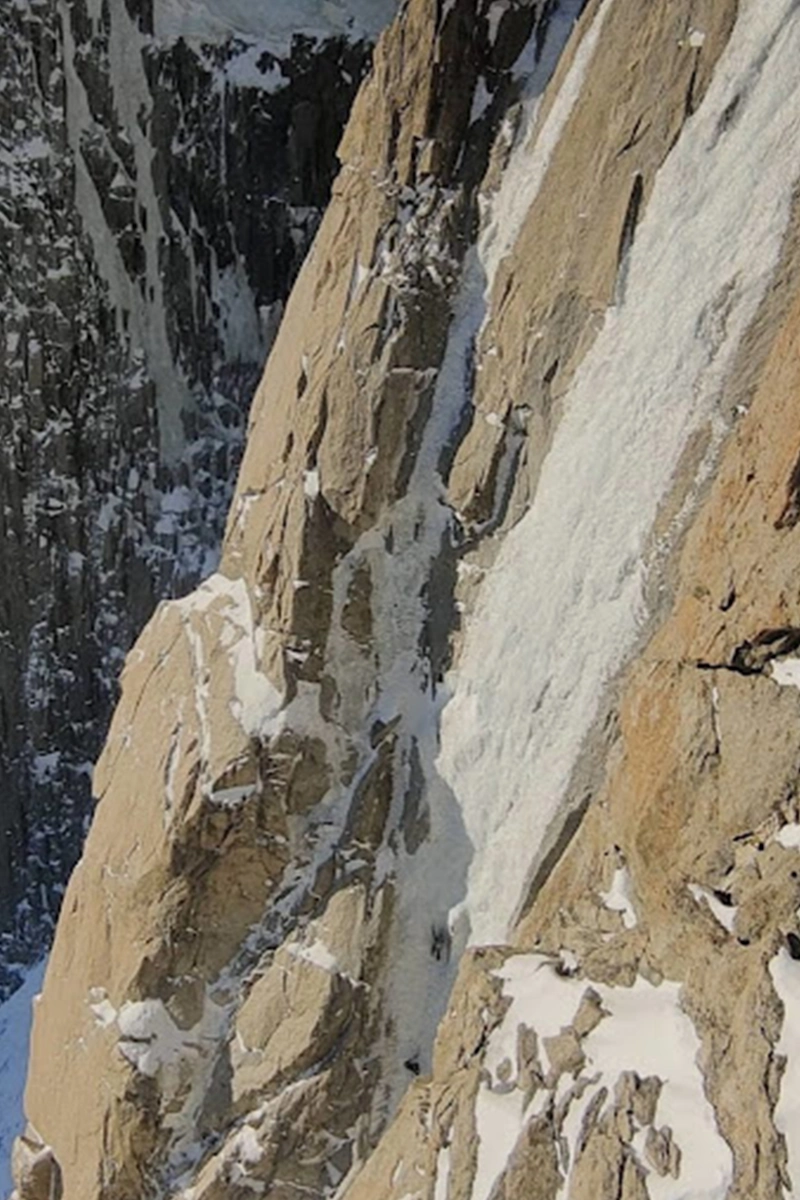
(447, 837)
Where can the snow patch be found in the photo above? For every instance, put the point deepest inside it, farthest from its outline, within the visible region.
(724, 914)
(442, 1174)
(786, 672)
(149, 1038)
(644, 1031)
(785, 974)
(789, 837)
(311, 484)
(618, 897)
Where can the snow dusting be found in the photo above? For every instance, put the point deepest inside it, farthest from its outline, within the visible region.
(255, 701)
(431, 923)
(317, 954)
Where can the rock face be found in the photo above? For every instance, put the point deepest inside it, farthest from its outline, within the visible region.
(447, 836)
(161, 177)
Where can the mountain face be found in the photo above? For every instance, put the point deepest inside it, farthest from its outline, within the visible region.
(163, 169)
(446, 839)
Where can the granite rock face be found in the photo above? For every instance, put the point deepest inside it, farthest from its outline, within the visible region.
(446, 840)
(160, 182)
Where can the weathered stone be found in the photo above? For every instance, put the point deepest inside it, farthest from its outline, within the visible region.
(289, 881)
(662, 1153)
(590, 1013)
(564, 1053)
(532, 1172)
(36, 1171)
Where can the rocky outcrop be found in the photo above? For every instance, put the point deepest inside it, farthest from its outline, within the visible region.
(161, 177)
(446, 836)
(683, 871)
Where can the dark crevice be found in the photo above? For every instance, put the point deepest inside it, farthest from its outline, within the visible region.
(791, 509)
(728, 116)
(551, 860)
(753, 656)
(689, 103)
(728, 602)
(627, 235)
(635, 136)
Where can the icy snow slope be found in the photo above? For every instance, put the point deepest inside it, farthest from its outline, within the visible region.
(569, 582)
(493, 655)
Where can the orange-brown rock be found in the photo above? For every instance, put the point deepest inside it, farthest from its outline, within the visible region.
(270, 918)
